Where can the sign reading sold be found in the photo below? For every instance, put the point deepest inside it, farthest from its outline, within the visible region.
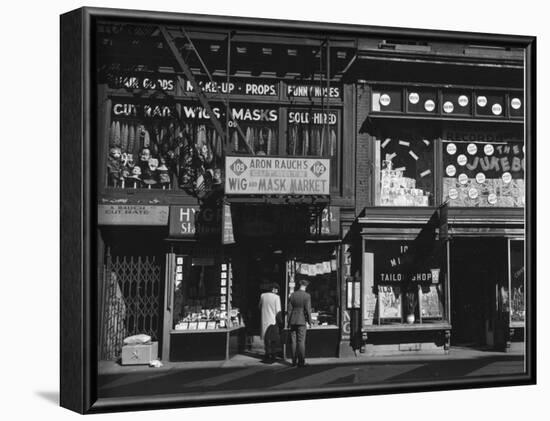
(284, 176)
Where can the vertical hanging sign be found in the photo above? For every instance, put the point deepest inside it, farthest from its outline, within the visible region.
(227, 230)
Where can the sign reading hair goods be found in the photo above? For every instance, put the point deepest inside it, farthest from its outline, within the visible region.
(146, 81)
(132, 215)
(236, 87)
(280, 176)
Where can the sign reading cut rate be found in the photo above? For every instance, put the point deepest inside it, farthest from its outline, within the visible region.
(263, 175)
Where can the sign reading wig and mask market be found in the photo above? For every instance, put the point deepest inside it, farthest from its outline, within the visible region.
(246, 175)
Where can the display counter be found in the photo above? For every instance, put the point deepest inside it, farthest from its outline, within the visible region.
(206, 345)
(321, 342)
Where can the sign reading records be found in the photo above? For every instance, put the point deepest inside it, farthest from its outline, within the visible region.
(269, 175)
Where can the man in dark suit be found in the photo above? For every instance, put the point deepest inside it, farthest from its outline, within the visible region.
(299, 317)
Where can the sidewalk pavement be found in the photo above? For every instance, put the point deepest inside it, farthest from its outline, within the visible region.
(248, 360)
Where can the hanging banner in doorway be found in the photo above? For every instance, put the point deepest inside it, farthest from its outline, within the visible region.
(227, 231)
(247, 175)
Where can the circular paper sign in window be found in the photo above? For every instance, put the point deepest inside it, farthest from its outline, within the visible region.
(473, 193)
(472, 148)
(451, 148)
(497, 109)
(506, 177)
(480, 178)
(462, 160)
(448, 107)
(482, 101)
(385, 100)
(515, 103)
(453, 194)
(489, 150)
(450, 170)
(463, 178)
(414, 98)
(429, 105)
(463, 100)
(492, 199)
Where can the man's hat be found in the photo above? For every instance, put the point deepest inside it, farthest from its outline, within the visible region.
(304, 282)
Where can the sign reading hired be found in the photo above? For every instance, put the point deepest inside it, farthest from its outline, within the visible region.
(132, 215)
(281, 176)
(147, 81)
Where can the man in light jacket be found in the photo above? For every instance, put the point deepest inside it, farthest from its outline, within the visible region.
(270, 306)
(299, 317)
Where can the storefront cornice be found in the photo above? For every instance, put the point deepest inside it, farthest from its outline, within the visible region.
(416, 117)
(383, 216)
(510, 61)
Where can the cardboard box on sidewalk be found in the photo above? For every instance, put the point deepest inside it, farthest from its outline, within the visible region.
(139, 354)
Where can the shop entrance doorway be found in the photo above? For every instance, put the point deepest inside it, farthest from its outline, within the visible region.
(478, 269)
(256, 267)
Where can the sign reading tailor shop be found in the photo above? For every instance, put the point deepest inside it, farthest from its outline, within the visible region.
(247, 175)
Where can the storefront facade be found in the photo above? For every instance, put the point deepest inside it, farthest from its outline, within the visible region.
(441, 220)
(219, 185)
(307, 159)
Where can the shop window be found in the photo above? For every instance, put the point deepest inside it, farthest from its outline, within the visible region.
(259, 139)
(314, 132)
(175, 146)
(483, 174)
(318, 266)
(202, 298)
(517, 282)
(403, 282)
(404, 171)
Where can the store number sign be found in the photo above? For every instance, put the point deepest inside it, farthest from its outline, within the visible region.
(280, 176)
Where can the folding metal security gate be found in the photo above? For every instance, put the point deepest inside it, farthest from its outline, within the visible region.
(132, 300)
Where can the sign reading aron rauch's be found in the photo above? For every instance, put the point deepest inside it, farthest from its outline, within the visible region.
(270, 175)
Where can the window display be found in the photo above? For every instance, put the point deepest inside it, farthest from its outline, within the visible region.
(176, 146)
(483, 174)
(404, 281)
(314, 133)
(404, 171)
(318, 266)
(202, 295)
(517, 281)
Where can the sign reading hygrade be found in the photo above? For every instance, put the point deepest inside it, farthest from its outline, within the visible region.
(247, 175)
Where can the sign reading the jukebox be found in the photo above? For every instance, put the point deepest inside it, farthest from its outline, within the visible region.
(282, 176)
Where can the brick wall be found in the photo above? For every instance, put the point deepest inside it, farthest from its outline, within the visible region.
(364, 167)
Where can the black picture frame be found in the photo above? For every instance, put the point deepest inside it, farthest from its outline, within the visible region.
(79, 172)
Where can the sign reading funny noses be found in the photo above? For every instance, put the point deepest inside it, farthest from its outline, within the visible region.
(286, 176)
